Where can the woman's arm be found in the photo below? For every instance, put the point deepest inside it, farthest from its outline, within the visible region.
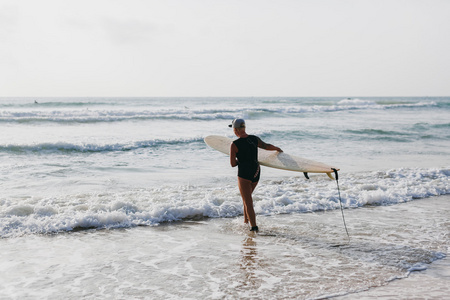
(269, 147)
(233, 151)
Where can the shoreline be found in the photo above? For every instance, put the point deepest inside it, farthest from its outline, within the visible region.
(431, 283)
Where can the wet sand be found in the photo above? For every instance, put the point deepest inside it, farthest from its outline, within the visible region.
(433, 283)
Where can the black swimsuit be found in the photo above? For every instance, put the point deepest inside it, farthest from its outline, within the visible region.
(247, 155)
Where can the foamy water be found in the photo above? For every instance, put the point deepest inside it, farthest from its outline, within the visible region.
(299, 256)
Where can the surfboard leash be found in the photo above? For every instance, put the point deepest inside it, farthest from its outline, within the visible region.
(340, 201)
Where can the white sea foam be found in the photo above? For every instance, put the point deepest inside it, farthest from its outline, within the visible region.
(96, 114)
(356, 102)
(154, 206)
(95, 147)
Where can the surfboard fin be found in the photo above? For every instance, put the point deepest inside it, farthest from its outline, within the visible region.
(329, 175)
(306, 175)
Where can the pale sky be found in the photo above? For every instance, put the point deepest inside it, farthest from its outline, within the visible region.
(154, 48)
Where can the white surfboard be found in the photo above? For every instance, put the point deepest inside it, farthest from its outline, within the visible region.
(274, 159)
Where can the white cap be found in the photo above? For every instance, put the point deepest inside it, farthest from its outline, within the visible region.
(237, 123)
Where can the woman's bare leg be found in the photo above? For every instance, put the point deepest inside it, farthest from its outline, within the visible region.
(246, 188)
(254, 184)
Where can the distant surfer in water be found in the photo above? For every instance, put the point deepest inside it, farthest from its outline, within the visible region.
(244, 154)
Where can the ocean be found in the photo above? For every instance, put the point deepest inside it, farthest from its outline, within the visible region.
(121, 198)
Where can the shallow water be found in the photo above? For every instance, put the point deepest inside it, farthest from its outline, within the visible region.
(432, 283)
(294, 256)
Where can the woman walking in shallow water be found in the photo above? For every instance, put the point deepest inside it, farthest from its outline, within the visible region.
(244, 154)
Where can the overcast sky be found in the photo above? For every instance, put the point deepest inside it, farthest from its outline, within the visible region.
(224, 48)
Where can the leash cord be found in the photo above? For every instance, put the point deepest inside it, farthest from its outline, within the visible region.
(340, 203)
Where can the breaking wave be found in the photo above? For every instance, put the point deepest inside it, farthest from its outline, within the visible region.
(150, 207)
(92, 147)
(81, 112)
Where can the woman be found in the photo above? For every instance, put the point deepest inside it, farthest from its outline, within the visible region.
(244, 154)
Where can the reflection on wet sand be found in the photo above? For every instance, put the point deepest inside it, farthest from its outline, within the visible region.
(250, 262)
